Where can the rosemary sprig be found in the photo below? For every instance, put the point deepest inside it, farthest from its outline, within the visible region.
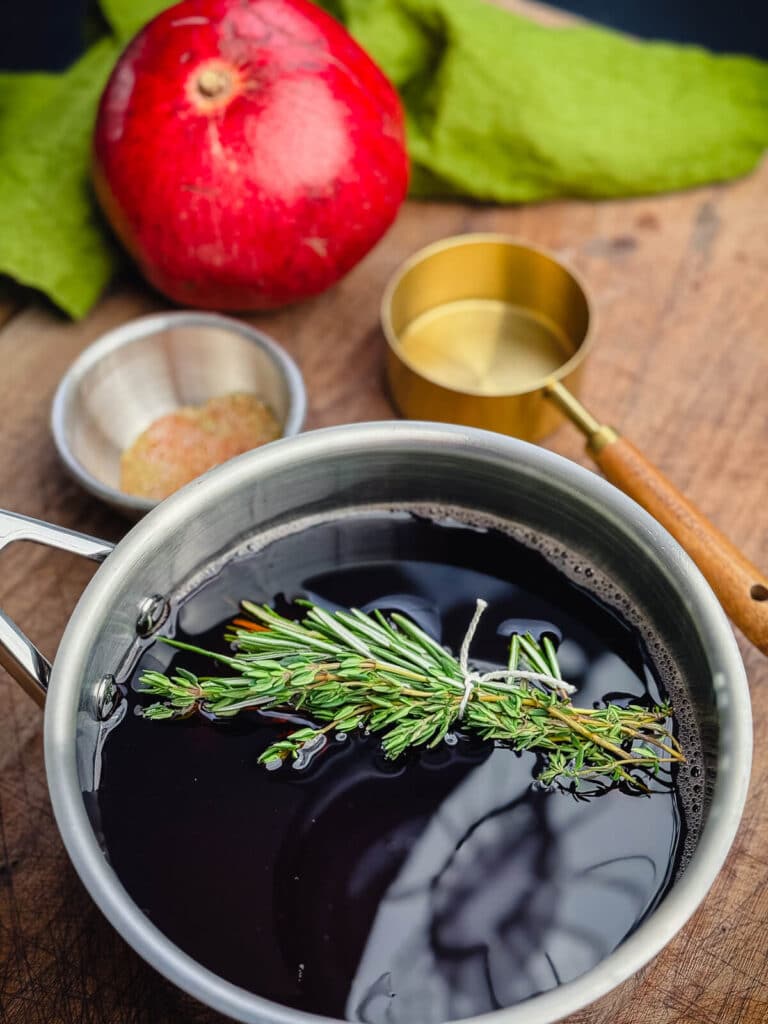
(348, 670)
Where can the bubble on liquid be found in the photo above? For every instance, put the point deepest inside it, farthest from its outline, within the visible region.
(450, 739)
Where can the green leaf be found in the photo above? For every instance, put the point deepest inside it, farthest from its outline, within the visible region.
(160, 712)
(273, 753)
(303, 734)
(641, 750)
(347, 724)
(51, 236)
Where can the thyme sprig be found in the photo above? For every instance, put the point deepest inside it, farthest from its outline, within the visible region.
(347, 670)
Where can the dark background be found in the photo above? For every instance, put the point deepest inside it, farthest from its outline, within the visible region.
(49, 34)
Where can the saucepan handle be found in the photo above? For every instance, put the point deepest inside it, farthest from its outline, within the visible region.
(18, 655)
(741, 587)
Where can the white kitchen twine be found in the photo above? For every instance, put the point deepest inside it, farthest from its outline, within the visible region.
(499, 677)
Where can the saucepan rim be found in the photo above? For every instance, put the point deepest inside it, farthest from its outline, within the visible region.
(731, 692)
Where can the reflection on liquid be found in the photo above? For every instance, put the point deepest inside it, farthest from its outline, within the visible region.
(504, 895)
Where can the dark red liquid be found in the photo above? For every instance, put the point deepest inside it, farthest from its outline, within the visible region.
(435, 887)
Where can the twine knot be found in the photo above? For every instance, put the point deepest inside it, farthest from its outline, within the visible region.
(499, 679)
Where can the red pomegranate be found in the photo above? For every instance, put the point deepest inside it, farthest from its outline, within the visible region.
(248, 153)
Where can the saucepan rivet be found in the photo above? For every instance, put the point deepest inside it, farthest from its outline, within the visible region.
(106, 697)
(153, 611)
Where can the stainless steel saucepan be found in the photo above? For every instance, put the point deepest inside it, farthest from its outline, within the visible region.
(338, 469)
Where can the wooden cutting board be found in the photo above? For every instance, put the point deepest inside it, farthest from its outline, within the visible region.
(681, 366)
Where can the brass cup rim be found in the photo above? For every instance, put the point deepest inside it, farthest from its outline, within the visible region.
(468, 239)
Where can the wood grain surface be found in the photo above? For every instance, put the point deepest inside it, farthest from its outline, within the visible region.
(681, 367)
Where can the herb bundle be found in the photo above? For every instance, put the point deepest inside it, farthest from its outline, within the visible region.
(348, 670)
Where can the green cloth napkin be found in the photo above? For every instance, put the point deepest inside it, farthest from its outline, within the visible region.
(498, 108)
(504, 109)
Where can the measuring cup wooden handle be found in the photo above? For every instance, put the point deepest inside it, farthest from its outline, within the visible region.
(740, 586)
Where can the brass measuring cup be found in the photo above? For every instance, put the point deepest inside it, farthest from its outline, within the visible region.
(486, 331)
